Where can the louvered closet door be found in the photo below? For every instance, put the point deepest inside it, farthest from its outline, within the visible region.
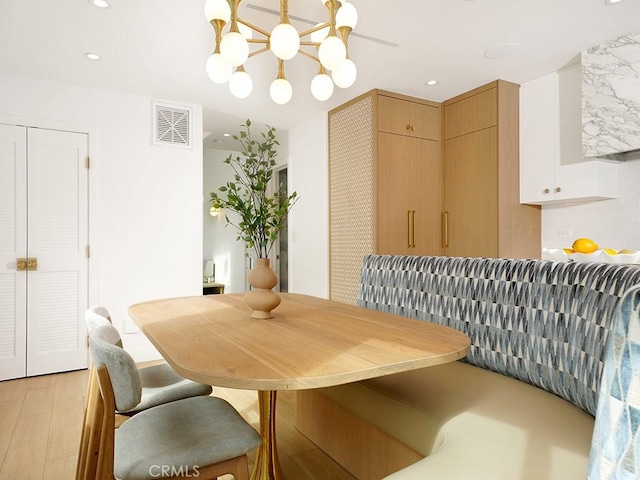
(57, 238)
(13, 245)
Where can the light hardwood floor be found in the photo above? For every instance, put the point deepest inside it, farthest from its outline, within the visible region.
(40, 424)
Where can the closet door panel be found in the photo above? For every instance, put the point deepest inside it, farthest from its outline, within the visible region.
(58, 237)
(13, 245)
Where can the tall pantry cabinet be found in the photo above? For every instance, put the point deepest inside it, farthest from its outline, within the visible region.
(384, 183)
(413, 177)
(482, 214)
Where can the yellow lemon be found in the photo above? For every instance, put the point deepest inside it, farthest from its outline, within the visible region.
(610, 251)
(567, 251)
(584, 245)
(626, 250)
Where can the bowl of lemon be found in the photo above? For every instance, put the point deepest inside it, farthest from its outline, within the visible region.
(586, 250)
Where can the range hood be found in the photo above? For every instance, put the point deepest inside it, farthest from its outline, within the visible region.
(611, 98)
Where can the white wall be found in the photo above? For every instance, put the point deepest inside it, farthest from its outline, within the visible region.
(146, 223)
(220, 244)
(610, 223)
(308, 220)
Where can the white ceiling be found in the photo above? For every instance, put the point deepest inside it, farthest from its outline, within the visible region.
(158, 48)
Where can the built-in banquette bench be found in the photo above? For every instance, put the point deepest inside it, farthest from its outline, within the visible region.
(521, 405)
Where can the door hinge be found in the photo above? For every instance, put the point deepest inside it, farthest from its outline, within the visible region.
(87, 251)
(87, 163)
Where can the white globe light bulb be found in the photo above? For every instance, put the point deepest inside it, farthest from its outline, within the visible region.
(319, 35)
(234, 48)
(322, 87)
(240, 84)
(347, 16)
(280, 91)
(332, 52)
(345, 74)
(284, 41)
(217, 10)
(218, 68)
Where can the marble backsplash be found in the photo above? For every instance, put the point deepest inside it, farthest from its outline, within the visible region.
(611, 97)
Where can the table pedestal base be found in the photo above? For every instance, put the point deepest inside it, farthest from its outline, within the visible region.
(267, 465)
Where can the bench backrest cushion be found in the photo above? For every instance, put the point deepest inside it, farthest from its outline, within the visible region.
(542, 322)
(615, 447)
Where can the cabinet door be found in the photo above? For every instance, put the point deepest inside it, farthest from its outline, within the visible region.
(425, 187)
(13, 245)
(471, 194)
(394, 115)
(538, 146)
(394, 198)
(471, 113)
(408, 196)
(426, 121)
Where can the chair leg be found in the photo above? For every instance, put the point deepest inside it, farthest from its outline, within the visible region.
(87, 426)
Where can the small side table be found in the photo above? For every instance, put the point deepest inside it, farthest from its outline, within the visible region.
(212, 288)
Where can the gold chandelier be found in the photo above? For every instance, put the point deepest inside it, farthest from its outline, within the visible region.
(329, 39)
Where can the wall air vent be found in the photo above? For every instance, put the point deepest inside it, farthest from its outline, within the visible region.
(171, 125)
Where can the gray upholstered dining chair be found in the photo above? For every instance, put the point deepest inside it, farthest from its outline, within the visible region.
(202, 436)
(160, 384)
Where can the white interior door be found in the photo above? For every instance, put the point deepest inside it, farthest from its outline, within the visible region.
(57, 290)
(13, 245)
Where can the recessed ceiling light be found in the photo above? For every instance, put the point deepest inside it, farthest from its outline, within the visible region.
(502, 51)
(226, 134)
(92, 56)
(99, 3)
(431, 83)
(611, 2)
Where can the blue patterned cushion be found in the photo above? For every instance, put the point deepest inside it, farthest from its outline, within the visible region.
(542, 322)
(615, 448)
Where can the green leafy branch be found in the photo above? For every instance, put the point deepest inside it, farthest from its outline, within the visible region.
(261, 215)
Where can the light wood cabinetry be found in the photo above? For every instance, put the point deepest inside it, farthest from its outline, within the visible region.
(552, 167)
(384, 183)
(413, 177)
(482, 214)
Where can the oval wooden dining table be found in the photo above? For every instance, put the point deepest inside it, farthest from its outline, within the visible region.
(309, 343)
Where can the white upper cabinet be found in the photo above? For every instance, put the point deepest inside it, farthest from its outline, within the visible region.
(552, 168)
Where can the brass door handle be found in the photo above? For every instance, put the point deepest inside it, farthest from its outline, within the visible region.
(23, 264)
(408, 226)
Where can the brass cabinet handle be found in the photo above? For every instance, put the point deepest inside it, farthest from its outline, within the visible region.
(408, 127)
(411, 228)
(558, 189)
(32, 264)
(546, 190)
(445, 229)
